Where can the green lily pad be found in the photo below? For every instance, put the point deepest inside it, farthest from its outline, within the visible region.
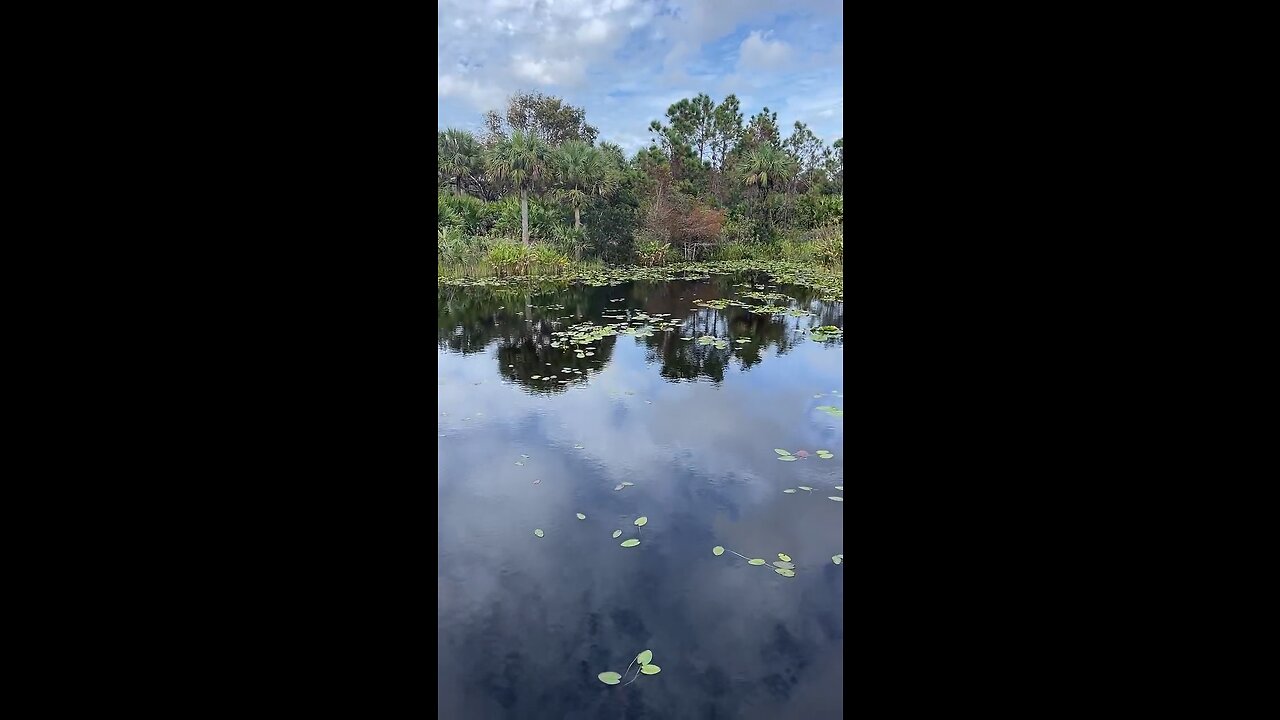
(539, 532)
(837, 499)
(650, 669)
(789, 458)
(840, 487)
(790, 491)
(717, 551)
(756, 561)
(644, 657)
(780, 564)
(617, 533)
(632, 542)
(581, 516)
(805, 487)
(824, 451)
(784, 556)
(534, 377)
(519, 463)
(784, 572)
(781, 452)
(609, 678)
(617, 487)
(641, 521)
(624, 482)
(837, 559)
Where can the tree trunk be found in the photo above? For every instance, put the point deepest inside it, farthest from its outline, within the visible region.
(524, 215)
(577, 222)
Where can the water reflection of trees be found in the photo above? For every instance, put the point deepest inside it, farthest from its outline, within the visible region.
(521, 324)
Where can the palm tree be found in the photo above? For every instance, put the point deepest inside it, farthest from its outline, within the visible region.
(582, 170)
(459, 156)
(522, 159)
(766, 167)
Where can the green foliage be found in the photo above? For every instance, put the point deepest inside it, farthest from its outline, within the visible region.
(709, 186)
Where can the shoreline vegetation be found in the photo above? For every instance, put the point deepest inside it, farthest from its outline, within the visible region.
(535, 196)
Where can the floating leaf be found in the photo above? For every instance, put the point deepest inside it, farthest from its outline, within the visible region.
(641, 521)
(632, 542)
(784, 572)
(840, 487)
(805, 487)
(609, 678)
(780, 564)
(824, 451)
(617, 487)
(644, 657)
(789, 458)
(650, 669)
(534, 377)
(837, 499)
(790, 491)
(523, 456)
(581, 516)
(784, 556)
(535, 482)
(756, 561)
(538, 532)
(519, 463)
(577, 447)
(837, 559)
(781, 452)
(624, 482)
(717, 551)
(616, 533)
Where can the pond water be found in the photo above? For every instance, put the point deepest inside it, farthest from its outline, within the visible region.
(526, 623)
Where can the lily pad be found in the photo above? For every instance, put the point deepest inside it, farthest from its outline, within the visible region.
(535, 482)
(650, 669)
(780, 564)
(581, 516)
(631, 542)
(837, 499)
(539, 532)
(781, 452)
(717, 551)
(824, 451)
(784, 556)
(617, 533)
(644, 657)
(789, 458)
(840, 487)
(784, 572)
(534, 377)
(519, 463)
(790, 491)
(756, 561)
(805, 487)
(837, 559)
(624, 482)
(617, 487)
(641, 521)
(609, 678)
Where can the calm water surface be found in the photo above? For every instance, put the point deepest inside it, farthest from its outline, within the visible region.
(527, 623)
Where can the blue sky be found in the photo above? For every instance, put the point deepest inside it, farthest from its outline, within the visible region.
(625, 61)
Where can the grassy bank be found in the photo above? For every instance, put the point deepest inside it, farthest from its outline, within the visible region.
(460, 257)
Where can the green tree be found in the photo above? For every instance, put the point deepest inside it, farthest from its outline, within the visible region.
(582, 171)
(546, 117)
(523, 160)
(459, 158)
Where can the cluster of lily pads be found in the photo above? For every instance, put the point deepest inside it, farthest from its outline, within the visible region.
(824, 333)
(629, 542)
(783, 565)
(645, 658)
(786, 456)
(806, 488)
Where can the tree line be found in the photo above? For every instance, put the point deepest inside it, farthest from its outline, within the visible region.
(707, 178)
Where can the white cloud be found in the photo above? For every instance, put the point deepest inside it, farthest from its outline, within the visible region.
(757, 52)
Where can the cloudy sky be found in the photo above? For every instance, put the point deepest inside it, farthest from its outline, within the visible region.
(625, 61)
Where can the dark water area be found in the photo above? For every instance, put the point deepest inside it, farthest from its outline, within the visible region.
(527, 623)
